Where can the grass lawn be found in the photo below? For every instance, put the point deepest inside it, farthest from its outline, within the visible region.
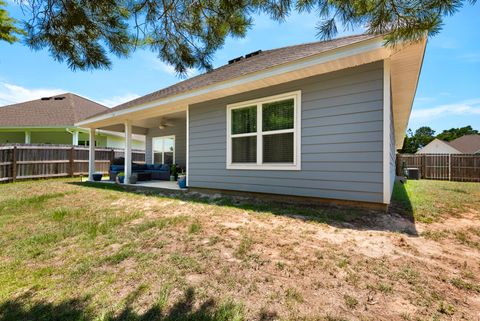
(71, 251)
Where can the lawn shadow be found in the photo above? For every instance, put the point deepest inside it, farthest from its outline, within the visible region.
(399, 218)
(401, 202)
(185, 309)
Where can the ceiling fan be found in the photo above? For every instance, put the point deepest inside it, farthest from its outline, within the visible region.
(164, 123)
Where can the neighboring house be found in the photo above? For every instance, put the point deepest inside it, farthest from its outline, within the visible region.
(51, 120)
(316, 120)
(468, 144)
(438, 146)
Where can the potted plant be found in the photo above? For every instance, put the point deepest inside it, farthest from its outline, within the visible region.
(120, 178)
(182, 180)
(173, 173)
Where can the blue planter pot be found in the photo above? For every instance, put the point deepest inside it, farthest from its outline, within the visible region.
(121, 179)
(182, 182)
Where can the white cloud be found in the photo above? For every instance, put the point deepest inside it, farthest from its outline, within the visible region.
(423, 100)
(12, 94)
(169, 69)
(471, 57)
(463, 108)
(159, 65)
(117, 100)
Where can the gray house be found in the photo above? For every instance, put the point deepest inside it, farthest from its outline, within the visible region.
(320, 120)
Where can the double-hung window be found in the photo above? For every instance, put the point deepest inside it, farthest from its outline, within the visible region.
(264, 133)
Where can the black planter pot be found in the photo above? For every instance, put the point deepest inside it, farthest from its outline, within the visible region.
(97, 177)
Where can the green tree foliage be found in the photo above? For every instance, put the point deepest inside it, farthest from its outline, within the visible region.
(8, 30)
(187, 33)
(424, 135)
(409, 146)
(454, 133)
(414, 141)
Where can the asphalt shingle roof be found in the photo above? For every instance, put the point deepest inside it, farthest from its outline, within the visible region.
(468, 144)
(264, 60)
(52, 112)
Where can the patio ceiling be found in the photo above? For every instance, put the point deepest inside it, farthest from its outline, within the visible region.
(141, 126)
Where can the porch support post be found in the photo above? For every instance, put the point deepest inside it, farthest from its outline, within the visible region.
(128, 151)
(75, 137)
(187, 163)
(91, 155)
(28, 137)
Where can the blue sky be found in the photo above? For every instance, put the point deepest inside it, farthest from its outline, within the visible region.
(448, 94)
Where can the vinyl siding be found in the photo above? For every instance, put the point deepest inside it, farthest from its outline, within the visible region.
(119, 142)
(179, 130)
(12, 137)
(342, 135)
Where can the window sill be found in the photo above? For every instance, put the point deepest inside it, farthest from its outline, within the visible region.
(269, 167)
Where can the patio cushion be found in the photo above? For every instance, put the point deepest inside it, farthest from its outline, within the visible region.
(157, 166)
(116, 168)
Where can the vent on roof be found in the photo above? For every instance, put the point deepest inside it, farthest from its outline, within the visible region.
(235, 60)
(252, 54)
(59, 98)
(46, 98)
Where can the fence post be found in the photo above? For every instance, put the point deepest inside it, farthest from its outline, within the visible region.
(449, 167)
(72, 161)
(14, 164)
(424, 166)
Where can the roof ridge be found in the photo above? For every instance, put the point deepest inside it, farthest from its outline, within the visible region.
(328, 40)
(90, 100)
(32, 100)
(72, 106)
(225, 67)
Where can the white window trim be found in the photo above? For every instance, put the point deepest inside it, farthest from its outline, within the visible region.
(163, 148)
(297, 120)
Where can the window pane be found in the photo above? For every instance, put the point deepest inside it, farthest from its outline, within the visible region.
(244, 120)
(168, 158)
(244, 149)
(278, 148)
(157, 158)
(277, 115)
(169, 144)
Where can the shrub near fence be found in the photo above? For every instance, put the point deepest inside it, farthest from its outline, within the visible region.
(454, 167)
(19, 161)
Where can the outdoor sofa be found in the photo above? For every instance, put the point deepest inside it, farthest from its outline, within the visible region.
(156, 171)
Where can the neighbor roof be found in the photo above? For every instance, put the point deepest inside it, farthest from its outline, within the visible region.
(468, 144)
(50, 111)
(261, 61)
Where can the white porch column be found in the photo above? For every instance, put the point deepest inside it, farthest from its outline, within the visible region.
(28, 137)
(91, 155)
(128, 151)
(75, 137)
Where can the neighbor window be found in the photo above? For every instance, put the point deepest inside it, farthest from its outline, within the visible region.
(264, 133)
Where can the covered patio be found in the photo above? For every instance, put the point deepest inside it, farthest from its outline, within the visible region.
(165, 144)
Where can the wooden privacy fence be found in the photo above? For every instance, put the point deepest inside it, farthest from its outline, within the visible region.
(41, 161)
(454, 167)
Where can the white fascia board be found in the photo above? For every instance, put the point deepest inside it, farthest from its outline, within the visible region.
(386, 130)
(343, 52)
